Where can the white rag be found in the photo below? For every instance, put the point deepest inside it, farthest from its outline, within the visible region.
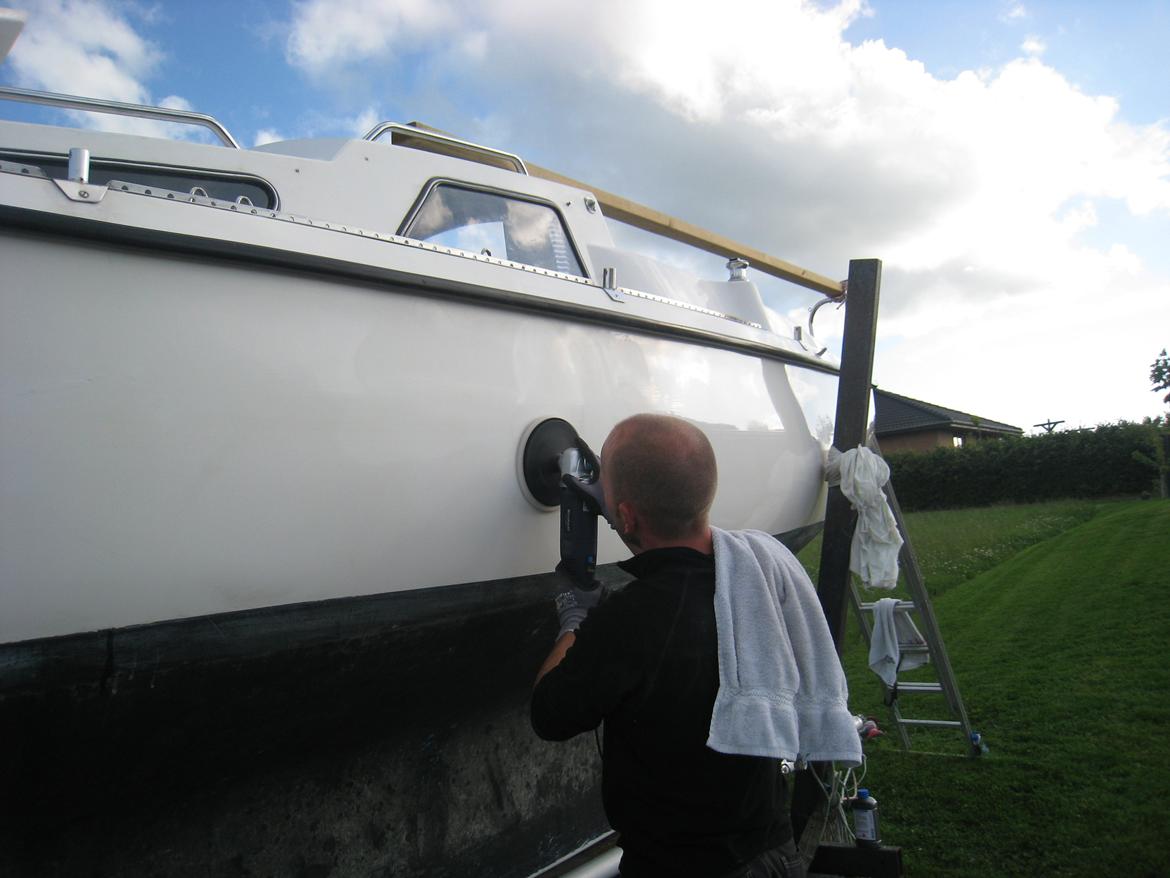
(782, 693)
(876, 541)
(891, 631)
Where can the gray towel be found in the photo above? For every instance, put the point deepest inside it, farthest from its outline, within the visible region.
(891, 631)
(782, 693)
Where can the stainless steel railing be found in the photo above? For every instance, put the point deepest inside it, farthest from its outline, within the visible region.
(466, 146)
(118, 108)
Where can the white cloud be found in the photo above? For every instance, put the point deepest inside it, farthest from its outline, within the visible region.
(1074, 349)
(1014, 12)
(326, 31)
(361, 124)
(74, 45)
(693, 60)
(267, 135)
(1033, 46)
(353, 125)
(88, 47)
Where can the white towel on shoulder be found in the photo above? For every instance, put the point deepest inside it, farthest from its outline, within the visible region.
(782, 693)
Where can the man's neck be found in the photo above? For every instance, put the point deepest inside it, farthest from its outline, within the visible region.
(700, 541)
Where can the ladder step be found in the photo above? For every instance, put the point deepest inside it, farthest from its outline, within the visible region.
(920, 687)
(901, 607)
(915, 648)
(939, 723)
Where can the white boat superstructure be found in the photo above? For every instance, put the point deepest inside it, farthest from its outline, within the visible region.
(242, 378)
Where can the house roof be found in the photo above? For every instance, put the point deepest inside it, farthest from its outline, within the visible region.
(900, 414)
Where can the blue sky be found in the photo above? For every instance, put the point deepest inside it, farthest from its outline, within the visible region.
(1009, 161)
(1114, 48)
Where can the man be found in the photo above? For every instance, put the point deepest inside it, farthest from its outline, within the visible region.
(646, 662)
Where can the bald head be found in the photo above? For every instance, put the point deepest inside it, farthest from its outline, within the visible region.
(664, 468)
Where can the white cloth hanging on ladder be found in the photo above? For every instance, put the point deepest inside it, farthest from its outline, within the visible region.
(876, 541)
(891, 631)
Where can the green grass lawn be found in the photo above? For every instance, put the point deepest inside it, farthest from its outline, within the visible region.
(1057, 621)
(953, 545)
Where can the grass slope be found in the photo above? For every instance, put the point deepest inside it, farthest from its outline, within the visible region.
(1060, 654)
(954, 545)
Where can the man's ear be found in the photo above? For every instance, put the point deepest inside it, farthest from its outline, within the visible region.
(627, 519)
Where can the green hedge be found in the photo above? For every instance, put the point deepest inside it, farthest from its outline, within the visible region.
(1073, 463)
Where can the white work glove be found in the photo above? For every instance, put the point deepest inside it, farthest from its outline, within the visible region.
(573, 602)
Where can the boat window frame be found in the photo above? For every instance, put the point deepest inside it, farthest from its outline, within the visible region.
(33, 157)
(434, 182)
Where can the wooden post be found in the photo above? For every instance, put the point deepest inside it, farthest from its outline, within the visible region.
(1164, 474)
(853, 395)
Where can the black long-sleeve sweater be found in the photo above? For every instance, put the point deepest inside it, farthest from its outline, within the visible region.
(645, 662)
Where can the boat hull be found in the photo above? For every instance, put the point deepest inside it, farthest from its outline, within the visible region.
(271, 595)
(360, 735)
(184, 436)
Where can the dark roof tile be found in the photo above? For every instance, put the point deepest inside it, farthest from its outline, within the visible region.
(901, 414)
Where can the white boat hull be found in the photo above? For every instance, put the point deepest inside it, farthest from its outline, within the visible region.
(190, 436)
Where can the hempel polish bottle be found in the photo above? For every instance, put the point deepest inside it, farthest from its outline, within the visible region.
(865, 820)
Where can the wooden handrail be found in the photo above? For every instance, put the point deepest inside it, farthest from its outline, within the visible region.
(631, 212)
(624, 210)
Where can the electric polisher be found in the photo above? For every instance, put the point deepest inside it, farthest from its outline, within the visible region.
(557, 467)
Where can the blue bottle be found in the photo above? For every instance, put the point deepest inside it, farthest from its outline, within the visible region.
(978, 747)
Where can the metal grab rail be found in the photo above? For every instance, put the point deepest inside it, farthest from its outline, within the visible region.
(118, 108)
(438, 137)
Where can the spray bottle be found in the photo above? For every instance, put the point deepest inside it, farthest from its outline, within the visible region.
(865, 820)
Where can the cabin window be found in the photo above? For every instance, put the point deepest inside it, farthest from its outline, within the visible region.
(224, 187)
(504, 226)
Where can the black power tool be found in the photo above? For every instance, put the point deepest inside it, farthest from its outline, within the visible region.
(560, 468)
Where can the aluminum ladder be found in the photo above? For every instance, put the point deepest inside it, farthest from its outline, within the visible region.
(919, 605)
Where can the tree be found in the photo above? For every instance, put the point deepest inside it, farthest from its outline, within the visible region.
(1160, 374)
(1160, 378)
